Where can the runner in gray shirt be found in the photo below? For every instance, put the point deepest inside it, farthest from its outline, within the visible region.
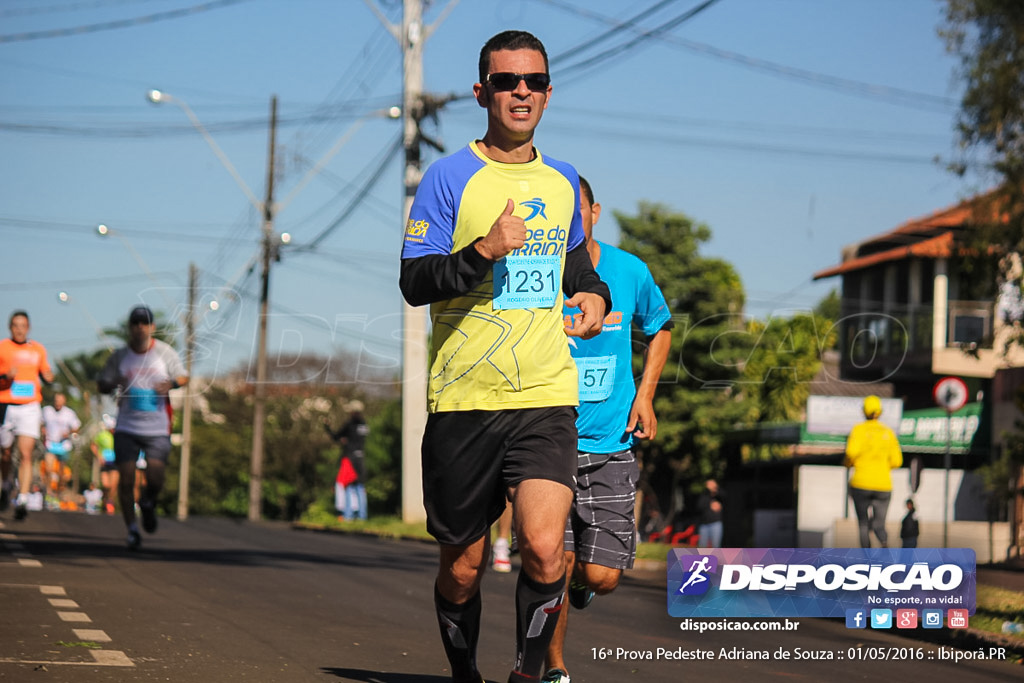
(144, 371)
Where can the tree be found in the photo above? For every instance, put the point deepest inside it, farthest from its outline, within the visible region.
(988, 38)
(699, 398)
(784, 363)
(830, 307)
(780, 370)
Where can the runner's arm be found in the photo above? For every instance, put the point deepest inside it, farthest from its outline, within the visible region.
(109, 378)
(436, 277)
(641, 415)
(580, 276)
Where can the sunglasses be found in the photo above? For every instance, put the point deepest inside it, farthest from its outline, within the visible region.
(505, 81)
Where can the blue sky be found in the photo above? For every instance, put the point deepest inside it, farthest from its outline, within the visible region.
(790, 127)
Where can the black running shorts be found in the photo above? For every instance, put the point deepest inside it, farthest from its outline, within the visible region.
(127, 447)
(471, 458)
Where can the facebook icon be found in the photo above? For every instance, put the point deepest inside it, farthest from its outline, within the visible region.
(856, 618)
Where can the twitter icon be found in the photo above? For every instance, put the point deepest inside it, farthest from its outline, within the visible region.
(881, 618)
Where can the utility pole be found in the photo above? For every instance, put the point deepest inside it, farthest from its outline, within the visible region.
(186, 418)
(416, 106)
(414, 351)
(260, 393)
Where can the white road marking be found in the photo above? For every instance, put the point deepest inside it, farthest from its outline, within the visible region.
(100, 657)
(74, 616)
(111, 658)
(94, 634)
(62, 602)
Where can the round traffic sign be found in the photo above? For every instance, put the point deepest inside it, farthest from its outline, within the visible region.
(950, 393)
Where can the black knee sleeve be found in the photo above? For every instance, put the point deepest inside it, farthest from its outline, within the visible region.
(538, 606)
(460, 630)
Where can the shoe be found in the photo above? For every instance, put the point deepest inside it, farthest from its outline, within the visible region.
(134, 539)
(148, 510)
(555, 676)
(5, 497)
(580, 594)
(21, 506)
(500, 558)
(110, 508)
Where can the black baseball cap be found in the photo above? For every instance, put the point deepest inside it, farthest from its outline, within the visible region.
(140, 314)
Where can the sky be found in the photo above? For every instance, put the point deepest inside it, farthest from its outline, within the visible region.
(789, 127)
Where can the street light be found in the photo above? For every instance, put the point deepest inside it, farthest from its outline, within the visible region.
(159, 97)
(267, 209)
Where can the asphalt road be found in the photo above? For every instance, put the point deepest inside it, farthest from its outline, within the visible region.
(219, 600)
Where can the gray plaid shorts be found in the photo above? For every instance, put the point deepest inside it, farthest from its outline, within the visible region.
(601, 528)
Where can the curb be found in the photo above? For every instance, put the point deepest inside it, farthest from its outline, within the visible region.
(324, 529)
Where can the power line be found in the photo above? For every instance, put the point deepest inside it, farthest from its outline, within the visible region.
(117, 24)
(354, 264)
(306, 318)
(66, 7)
(84, 282)
(617, 27)
(662, 140)
(645, 134)
(641, 37)
(754, 126)
(850, 86)
(145, 130)
(384, 210)
(141, 85)
(79, 229)
(385, 159)
(355, 77)
(882, 92)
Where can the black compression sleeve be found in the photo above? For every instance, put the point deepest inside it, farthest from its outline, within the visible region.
(580, 276)
(436, 277)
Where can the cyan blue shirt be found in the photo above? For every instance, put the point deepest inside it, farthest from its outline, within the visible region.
(604, 362)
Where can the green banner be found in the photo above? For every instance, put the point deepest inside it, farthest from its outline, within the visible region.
(924, 431)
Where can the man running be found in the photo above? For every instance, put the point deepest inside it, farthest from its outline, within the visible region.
(103, 451)
(60, 424)
(144, 370)
(493, 238)
(23, 363)
(600, 536)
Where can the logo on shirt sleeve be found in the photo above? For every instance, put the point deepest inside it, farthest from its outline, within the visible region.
(416, 231)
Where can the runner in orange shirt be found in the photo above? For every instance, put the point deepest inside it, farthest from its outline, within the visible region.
(22, 363)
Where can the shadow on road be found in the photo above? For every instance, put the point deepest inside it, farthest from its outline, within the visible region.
(383, 677)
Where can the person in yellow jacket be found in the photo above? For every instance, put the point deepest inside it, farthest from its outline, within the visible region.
(872, 450)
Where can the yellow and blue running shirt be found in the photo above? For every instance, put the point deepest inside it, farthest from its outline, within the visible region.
(605, 362)
(497, 348)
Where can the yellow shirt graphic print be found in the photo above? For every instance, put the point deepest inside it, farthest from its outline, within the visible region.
(487, 355)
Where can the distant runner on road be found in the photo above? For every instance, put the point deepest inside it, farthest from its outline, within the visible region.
(144, 370)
